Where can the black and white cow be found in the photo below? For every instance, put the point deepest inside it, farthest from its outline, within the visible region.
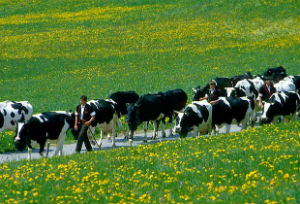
(149, 107)
(282, 104)
(285, 85)
(237, 78)
(232, 110)
(105, 119)
(196, 116)
(122, 98)
(249, 88)
(244, 87)
(221, 83)
(295, 80)
(174, 100)
(43, 127)
(11, 112)
(276, 73)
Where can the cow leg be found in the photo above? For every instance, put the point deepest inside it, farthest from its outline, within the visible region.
(121, 127)
(47, 149)
(29, 153)
(244, 124)
(101, 138)
(42, 146)
(155, 129)
(114, 133)
(195, 132)
(130, 140)
(170, 126)
(60, 144)
(227, 127)
(246, 121)
(163, 128)
(145, 131)
(209, 129)
(127, 134)
(171, 129)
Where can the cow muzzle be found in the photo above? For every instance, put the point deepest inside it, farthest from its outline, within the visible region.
(19, 145)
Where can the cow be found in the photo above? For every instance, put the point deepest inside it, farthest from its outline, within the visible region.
(43, 127)
(276, 73)
(196, 116)
(295, 80)
(237, 78)
(149, 107)
(244, 87)
(222, 82)
(285, 85)
(258, 82)
(249, 88)
(281, 104)
(232, 110)
(105, 119)
(174, 100)
(122, 98)
(11, 112)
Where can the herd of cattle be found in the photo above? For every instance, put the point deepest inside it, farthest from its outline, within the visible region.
(237, 105)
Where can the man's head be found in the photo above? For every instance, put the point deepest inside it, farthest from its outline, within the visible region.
(83, 99)
(212, 84)
(268, 81)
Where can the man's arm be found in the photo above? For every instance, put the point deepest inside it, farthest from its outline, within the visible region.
(76, 120)
(88, 123)
(203, 98)
(93, 114)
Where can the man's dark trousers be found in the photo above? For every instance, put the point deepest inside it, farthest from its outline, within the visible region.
(82, 137)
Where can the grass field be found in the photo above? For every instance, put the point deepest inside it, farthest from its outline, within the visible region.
(54, 51)
(260, 165)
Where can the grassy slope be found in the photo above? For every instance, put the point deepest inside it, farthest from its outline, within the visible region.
(260, 165)
(54, 51)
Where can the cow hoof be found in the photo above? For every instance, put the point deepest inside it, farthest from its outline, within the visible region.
(130, 141)
(145, 141)
(109, 137)
(114, 145)
(164, 135)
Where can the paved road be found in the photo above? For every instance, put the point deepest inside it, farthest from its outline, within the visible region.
(120, 142)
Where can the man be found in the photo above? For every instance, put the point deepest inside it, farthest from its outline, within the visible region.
(212, 94)
(84, 116)
(266, 91)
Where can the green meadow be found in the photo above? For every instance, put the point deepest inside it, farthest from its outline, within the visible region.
(51, 52)
(54, 51)
(259, 165)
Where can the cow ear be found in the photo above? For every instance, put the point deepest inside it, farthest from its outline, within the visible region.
(194, 90)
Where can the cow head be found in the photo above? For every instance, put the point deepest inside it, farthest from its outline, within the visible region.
(133, 119)
(268, 112)
(230, 91)
(198, 93)
(22, 138)
(182, 125)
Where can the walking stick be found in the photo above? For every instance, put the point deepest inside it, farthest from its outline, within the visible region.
(94, 139)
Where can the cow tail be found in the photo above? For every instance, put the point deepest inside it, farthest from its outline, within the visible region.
(298, 102)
